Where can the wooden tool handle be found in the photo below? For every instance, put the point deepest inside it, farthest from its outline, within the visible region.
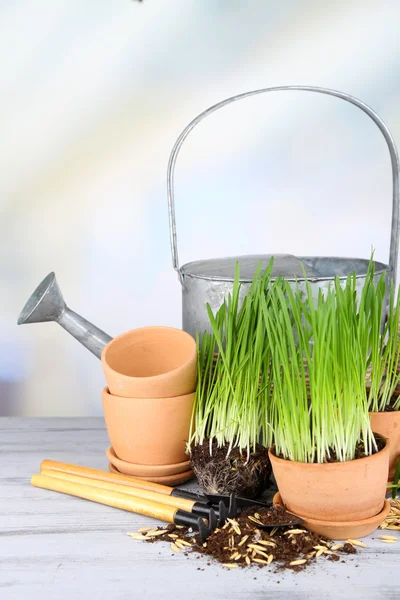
(106, 476)
(108, 497)
(177, 502)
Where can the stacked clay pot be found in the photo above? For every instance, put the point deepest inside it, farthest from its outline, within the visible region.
(151, 378)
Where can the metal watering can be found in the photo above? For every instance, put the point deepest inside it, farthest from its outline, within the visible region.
(211, 280)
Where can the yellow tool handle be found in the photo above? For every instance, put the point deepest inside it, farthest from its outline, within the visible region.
(181, 503)
(54, 465)
(108, 497)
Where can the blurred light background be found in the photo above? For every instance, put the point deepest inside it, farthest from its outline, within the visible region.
(93, 96)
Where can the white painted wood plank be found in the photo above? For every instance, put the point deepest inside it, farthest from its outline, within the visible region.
(55, 546)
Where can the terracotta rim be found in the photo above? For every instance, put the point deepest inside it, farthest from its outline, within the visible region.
(166, 480)
(277, 501)
(152, 377)
(319, 466)
(106, 392)
(146, 470)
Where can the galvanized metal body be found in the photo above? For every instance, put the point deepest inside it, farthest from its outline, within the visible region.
(199, 290)
(209, 281)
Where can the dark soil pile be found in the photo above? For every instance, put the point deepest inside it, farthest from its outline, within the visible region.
(236, 474)
(241, 542)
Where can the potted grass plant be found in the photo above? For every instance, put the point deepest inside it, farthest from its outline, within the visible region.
(230, 431)
(384, 373)
(327, 462)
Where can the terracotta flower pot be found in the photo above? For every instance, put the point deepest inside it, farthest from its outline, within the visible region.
(347, 491)
(388, 425)
(152, 362)
(148, 431)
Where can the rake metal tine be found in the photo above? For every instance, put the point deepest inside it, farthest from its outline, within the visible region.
(204, 530)
(233, 508)
(223, 513)
(212, 520)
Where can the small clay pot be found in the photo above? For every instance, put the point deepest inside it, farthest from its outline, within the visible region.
(337, 491)
(388, 425)
(151, 362)
(342, 530)
(137, 470)
(148, 431)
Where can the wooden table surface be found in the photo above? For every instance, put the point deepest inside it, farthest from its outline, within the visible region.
(54, 546)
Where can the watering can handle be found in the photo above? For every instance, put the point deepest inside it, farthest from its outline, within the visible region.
(394, 239)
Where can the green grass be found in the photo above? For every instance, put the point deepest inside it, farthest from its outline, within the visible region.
(324, 339)
(232, 402)
(290, 368)
(385, 348)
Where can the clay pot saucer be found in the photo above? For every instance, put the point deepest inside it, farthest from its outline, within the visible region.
(342, 530)
(137, 470)
(171, 480)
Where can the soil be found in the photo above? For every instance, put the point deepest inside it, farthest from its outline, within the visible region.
(359, 453)
(236, 474)
(240, 543)
(391, 408)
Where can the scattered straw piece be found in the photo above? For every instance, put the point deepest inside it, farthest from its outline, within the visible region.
(266, 543)
(142, 529)
(389, 541)
(294, 531)
(175, 548)
(255, 520)
(230, 565)
(260, 561)
(136, 536)
(392, 521)
(357, 543)
(261, 553)
(301, 561)
(184, 543)
(255, 547)
(155, 532)
(387, 537)
(243, 540)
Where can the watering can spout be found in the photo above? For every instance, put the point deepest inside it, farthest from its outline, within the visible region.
(47, 304)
